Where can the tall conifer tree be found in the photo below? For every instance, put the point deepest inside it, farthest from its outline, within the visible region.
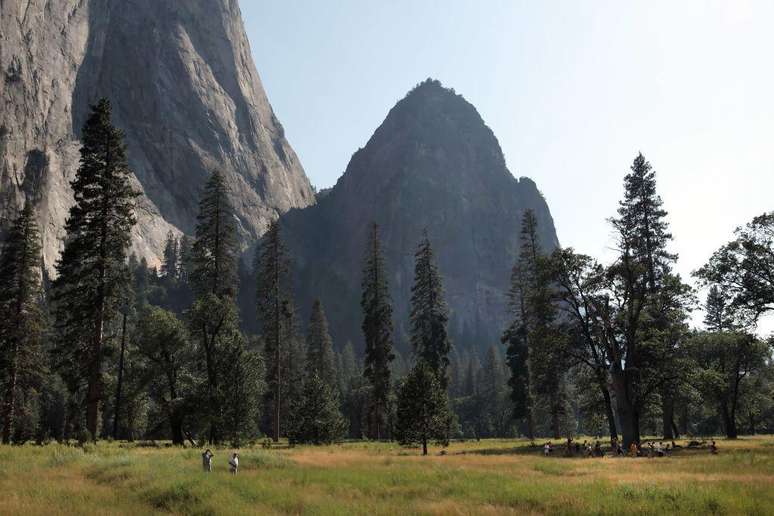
(276, 314)
(170, 266)
(377, 330)
(429, 313)
(649, 320)
(215, 249)
(214, 316)
(20, 316)
(91, 270)
(320, 358)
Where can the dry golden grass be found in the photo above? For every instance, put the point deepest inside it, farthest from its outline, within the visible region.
(488, 477)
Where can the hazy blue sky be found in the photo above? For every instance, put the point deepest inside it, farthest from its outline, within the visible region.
(573, 90)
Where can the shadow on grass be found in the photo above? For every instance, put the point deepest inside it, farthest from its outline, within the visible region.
(516, 450)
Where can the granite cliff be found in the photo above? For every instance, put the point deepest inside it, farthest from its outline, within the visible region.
(184, 90)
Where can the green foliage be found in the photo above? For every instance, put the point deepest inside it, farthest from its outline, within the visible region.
(320, 358)
(744, 269)
(722, 363)
(22, 359)
(242, 390)
(163, 341)
(214, 253)
(277, 318)
(378, 332)
(170, 267)
(91, 271)
(429, 313)
(314, 416)
(422, 411)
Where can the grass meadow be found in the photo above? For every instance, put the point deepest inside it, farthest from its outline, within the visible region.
(486, 477)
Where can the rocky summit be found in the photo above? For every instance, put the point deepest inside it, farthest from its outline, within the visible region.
(433, 164)
(184, 89)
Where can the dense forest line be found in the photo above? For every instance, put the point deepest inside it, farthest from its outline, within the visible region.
(111, 348)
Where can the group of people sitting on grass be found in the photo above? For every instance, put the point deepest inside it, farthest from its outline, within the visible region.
(636, 449)
(233, 463)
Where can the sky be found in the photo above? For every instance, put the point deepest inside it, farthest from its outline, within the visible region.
(573, 90)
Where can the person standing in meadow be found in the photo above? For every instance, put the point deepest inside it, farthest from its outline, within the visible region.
(233, 464)
(207, 460)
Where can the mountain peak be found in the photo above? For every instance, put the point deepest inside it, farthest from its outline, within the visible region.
(433, 165)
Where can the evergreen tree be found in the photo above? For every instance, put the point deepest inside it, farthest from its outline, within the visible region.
(21, 360)
(347, 367)
(91, 272)
(718, 311)
(517, 351)
(213, 317)
(215, 250)
(536, 354)
(378, 333)
(429, 313)
(242, 393)
(276, 314)
(170, 266)
(315, 416)
(320, 358)
(422, 412)
(648, 309)
(185, 253)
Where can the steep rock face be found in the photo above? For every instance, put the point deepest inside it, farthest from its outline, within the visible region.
(184, 89)
(433, 164)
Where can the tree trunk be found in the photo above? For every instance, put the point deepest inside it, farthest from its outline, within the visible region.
(668, 415)
(176, 425)
(424, 445)
(9, 407)
(120, 378)
(627, 411)
(683, 420)
(530, 425)
(94, 391)
(555, 418)
(729, 421)
(609, 411)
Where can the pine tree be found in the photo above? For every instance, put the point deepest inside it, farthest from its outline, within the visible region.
(214, 316)
(719, 315)
(422, 412)
(185, 253)
(650, 318)
(276, 314)
(377, 330)
(170, 266)
(429, 313)
(320, 358)
(242, 393)
(20, 314)
(91, 272)
(314, 416)
(215, 249)
(517, 352)
(347, 367)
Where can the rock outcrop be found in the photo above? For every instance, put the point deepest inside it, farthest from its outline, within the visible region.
(432, 164)
(184, 89)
